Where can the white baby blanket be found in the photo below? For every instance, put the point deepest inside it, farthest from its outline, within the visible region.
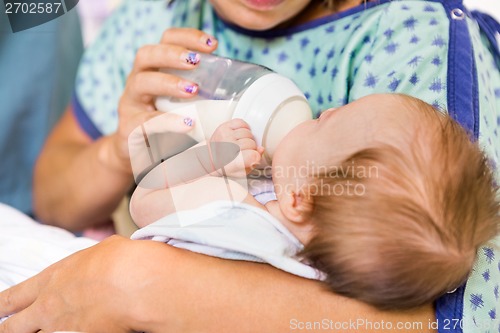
(27, 247)
(232, 231)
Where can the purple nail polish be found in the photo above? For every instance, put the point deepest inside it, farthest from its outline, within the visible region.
(188, 121)
(210, 42)
(193, 58)
(191, 88)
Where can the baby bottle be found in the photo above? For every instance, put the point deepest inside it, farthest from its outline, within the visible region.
(270, 103)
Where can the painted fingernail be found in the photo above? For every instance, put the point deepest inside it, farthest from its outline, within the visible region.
(188, 121)
(189, 87)
(208, 40)
(192, 58)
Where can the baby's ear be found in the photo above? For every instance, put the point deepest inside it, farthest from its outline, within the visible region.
(297, 206)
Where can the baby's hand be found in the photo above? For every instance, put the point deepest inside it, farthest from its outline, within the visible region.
(238, 132)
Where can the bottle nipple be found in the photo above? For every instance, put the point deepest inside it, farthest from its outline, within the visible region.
(272, 106)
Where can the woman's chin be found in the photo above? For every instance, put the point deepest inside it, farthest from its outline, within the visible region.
(257, 24)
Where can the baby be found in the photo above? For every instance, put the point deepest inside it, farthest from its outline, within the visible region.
(389, 197)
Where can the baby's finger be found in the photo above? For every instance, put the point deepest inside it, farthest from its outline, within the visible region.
(242, 133)
(251, 158)
(237, 123)
(223, 134)
(247, 144)
(190, 38)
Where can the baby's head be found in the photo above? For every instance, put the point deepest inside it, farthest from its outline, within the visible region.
(398, 197)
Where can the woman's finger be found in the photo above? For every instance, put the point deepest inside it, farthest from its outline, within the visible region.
(164, 122)
(145, 137)
(156, 138)
(20, 296)
(189, 38)
(26, 321)
(165, 56)
(149, 84)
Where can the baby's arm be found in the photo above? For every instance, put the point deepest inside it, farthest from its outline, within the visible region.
(152, 200)
(147, 206)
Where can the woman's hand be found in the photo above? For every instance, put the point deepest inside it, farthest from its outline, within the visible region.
(179, 48)
(87, 283)
(94, 290)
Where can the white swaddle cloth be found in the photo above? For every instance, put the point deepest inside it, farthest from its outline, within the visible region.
(231, 231)
(27, 247)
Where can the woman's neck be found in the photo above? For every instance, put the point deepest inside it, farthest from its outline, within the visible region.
(317, 9)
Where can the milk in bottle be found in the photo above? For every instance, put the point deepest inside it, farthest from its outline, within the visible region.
(270, 103)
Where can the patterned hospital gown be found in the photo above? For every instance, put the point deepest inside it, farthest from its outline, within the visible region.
(433, 50)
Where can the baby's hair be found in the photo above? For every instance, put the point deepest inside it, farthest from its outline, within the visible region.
(410, 230)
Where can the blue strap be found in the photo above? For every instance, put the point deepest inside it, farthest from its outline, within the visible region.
(463, 106)
(463, 96)
(449, 312)
(490, 27)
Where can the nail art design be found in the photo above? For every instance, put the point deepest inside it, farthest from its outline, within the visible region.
(188, 121)
(193, 58)
(209, 41)
(191, 88)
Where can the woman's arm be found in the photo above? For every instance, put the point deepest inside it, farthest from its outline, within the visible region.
(78, 182)
(121, 285)
(149, 205)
